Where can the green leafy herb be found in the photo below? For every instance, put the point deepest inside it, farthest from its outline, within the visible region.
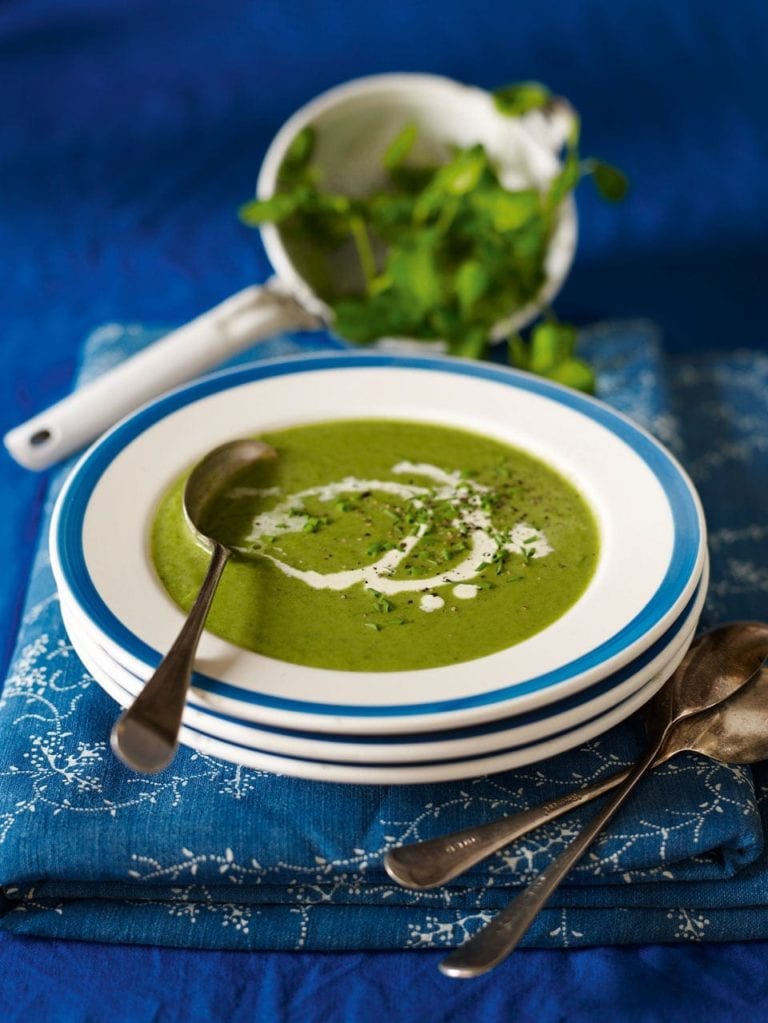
(444, 251)
(314, 522)
(550, 352)
(379, 547)
(520, 97)
(300, 151)
(381, 603)
(400, 146)
(611, 183)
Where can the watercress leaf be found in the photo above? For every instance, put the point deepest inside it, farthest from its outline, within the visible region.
(388, 314)
(414, 272)
(520, 97)
(400, 146)
(410, 180)
(328, 202)
(470, 282)
(445, 322)
(391, 212)
(471, 344)
(575, 373)
(530, 240)
(465, 172)
(565, 180)
(610, 182)
(551, 344)
(545, 349)
(461, 175)
(517, 352)
(502, 302)
(275, 209)
(507, 210)
(300, 151)
(356, 320)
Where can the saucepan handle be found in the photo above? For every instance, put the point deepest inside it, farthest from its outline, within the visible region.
(250, 315)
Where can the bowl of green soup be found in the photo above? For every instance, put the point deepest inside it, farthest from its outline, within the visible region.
(440, 544)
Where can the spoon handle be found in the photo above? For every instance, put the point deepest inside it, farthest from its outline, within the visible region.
(438, 860)
(145, 735)
(494, 942)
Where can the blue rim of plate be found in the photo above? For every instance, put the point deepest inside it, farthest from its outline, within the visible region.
(424, 765)
(549, 710)
(389, 773)
(474, 765)
(544, 713)
(69, 514)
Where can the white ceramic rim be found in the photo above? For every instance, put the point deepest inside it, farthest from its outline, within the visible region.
(415, 774)
(409, 749)
(134, 616)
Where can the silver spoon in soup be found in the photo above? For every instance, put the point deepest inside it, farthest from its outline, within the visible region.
(146, 734)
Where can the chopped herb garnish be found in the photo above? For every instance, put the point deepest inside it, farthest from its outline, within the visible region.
(379, 547)
(377, 627)
(345, 505)
(382, 604)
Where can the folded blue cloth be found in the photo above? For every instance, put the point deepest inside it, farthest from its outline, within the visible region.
(212, 855)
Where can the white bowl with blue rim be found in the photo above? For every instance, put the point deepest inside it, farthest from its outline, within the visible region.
(321, 760)
(653, 539)
(434, 756)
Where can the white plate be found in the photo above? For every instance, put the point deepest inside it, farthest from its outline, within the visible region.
(651, 524)
(409, 774)
(456, 743)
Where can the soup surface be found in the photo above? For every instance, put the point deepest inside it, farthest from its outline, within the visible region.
(380, 545)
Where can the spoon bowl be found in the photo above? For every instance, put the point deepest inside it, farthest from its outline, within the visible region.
(714, 669)
(146, 734)
(733, 732)
(716, 666)
(729, 731)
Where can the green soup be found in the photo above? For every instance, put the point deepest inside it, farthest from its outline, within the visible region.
(382, 545)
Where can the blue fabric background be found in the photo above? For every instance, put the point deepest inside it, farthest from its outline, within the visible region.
(130, 130)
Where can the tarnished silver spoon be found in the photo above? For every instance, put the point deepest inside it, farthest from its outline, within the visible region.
(146, 734)
(734, 732)
(716, 667)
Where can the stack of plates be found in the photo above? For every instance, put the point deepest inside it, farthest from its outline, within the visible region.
(600, 661)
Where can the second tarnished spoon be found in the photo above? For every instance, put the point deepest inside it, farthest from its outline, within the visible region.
(734, 732)
(719, 664)
(145, 735)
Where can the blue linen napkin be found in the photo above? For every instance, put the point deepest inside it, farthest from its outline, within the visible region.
(212, 855)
